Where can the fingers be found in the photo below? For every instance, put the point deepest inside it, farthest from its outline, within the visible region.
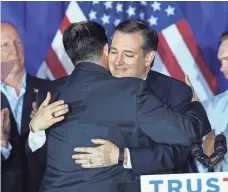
(82, 156)
(55, 104)
(91, 166)
(5, 116)
(34, 110)
(62, 111)
(59, 110)
(211, 135)
(34, 106)
(2, 116)
(85, 149)
(57, 119)
(5, 111)
(47, 100)
(82, 161)
(186, 79)
(33, 113)
(99, 141)
(5, 120)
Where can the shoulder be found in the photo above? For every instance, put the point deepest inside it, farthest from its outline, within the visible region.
(168, 86)
(44, 83)
(160, 78)
(218, 102)
(36, 82)
(58, 82)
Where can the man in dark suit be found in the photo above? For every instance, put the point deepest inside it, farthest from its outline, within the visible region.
(134, 112)
(17, 95)
(127, 58)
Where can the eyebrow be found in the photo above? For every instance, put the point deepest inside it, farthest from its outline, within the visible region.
(126, 51)
(225, 57)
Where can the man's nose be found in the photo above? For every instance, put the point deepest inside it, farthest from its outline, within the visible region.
(120, 59)
(14, 48)
(224, 65)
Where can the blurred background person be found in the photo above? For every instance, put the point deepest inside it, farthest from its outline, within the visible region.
(217, 108)
(11, 170)
(17, 96)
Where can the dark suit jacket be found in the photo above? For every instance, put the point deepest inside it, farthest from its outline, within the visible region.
(119, 110)
(18, 171)
(11, 169)
(157, 158)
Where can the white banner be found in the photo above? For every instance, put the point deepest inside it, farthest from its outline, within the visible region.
(192, 182)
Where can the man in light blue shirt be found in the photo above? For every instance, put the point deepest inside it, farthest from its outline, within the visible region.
(217, 110)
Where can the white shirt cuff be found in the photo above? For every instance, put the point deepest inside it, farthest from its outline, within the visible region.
(128, 166)
(6, 151)
(36, 140)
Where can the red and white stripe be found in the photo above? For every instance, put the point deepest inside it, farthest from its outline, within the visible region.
(178, 54)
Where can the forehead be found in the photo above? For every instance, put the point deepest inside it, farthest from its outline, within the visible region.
(8, 30)
(122, 40)
(223, 49)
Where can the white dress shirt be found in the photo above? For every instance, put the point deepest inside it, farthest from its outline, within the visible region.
(16, 105)
(217, 111)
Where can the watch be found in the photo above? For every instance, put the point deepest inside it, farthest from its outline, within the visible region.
(121, 156)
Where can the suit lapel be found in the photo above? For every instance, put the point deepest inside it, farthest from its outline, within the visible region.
(29, 97)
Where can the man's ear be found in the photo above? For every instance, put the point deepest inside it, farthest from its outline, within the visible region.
(149, 58)
(105, 50)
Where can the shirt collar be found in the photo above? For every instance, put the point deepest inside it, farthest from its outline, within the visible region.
(23, 82)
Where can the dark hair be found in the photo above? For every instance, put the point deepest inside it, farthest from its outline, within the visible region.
(150, 36)
(224, 36)
(84, 41)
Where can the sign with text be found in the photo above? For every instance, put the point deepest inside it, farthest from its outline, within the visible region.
(197, 182)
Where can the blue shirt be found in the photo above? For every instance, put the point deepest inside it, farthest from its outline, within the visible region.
(217, 111)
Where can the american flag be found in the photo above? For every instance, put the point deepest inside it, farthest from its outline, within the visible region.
(178, 53)
(42, 24)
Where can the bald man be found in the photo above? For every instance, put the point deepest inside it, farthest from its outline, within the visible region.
(18, 173)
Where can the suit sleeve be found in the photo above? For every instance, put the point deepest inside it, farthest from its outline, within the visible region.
(164, 125)
(168, 92)
(157, 158)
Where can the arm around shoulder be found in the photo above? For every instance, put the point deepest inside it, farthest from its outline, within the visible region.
(164, 125)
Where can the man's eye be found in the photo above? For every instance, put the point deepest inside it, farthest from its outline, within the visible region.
(5, 45)
(129, 55)
(113, 52)
(18, 42)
